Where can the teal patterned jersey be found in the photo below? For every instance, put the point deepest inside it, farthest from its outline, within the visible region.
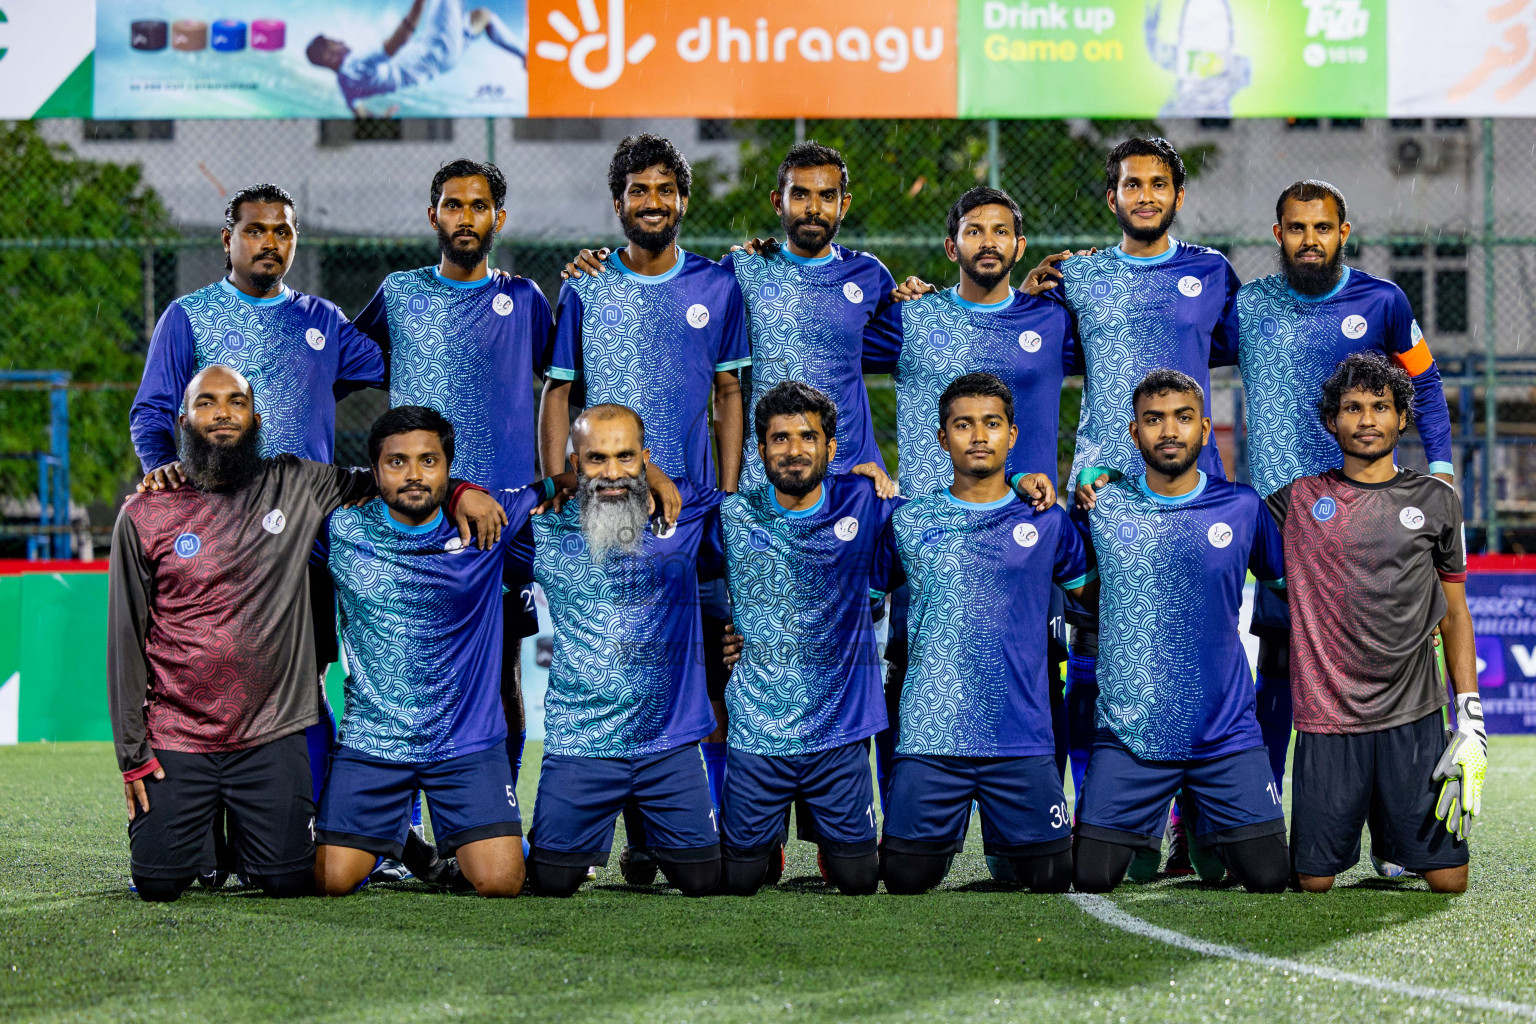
(809, 677)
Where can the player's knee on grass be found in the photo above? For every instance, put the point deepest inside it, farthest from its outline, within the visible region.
(161, 890)
(1259, 865)
(853, 876)
(744, 877)
(555, 880)
(692, 878)
(1050, 873)
(286, 886)
(1098, 866)
(910, 874)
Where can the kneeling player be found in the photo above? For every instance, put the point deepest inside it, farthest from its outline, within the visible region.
(975, 709)
(1176, 699)
(1377, 562)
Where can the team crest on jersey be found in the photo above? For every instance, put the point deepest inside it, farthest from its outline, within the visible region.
(1323, 509)
(417, 305)
(1220, 535)
(366, 551)
(1128, 532)
(852, 292)
(933, 535)
(769, 291)
(1353, 327)
(1190, 286)
(188, 545)
(1411, 517)
(758, 539)
(939, 338)
(572, 545)
(234, 340)
(698, 315)
(314, 339)
(846, 529)
(611, 315)
(1029, 341)
(502, 304)
(274, 521)
(1025, 535)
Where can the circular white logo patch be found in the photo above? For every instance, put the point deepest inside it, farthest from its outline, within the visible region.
(314, 339)
(1411, 517)
(502, 304)
(852, 292)
(698, 315)
(1220, 535)
(846, 529)
(274, 521)
(1190, 285)
(1029, 341)
(1353, 326)
(1025, 535)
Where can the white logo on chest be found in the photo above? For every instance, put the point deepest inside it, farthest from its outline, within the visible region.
(698, 315)
(274, 521)
(314, 339)
(502, 304)
(1220, 535)
(1353, 326)
(1025, 535)
(1411, 517)
(1029, 341)
(1190, 285)
(846, 529)
(853, 293)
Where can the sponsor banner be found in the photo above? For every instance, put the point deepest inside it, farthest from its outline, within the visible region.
(45, 58)
(1503, 605)
(742, 58)
(1173, 58)
(297, 58)
(1463, 58)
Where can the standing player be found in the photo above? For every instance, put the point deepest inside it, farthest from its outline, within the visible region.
(211, 662)
(805, 554)
(627, 704)
(975, 710)
(467, 341)
(1176, 701)
(1377, 563)
(1296, 326)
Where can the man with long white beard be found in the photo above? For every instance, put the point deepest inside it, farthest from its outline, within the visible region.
(626, 705)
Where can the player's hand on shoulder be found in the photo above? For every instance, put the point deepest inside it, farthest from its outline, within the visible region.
(478, 515)
(1037, 489)
(166, 478)
(1045, 275)
(588, 262)
(731, 644)
(758, 246)
(913, 287)
(884, 485)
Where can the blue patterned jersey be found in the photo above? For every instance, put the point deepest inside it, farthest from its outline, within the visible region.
(1134, 315)
(981, 577)
(421, 626)
(1290, 344)
(1027, 342)
(654, 344)
(627, 678)
(809, 677)
(1174, 682)
(299, 352)
(469, 350)
(817, 321)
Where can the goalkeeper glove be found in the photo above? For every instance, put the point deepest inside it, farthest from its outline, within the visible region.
(1462, 767)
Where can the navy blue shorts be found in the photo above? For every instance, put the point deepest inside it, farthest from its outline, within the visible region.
(1023, 809)
(1384, 778)
(1125, 799)
(580, 797)
(832, 785)
(367, 802)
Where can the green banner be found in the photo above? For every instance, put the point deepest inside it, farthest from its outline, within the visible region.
(1173, 58)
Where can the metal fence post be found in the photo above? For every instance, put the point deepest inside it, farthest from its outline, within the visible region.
(994, 171)
(1490, 348)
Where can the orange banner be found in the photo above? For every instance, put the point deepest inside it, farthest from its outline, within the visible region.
(741, 58)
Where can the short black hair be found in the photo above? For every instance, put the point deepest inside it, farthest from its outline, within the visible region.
(1366, 371)
(983, 195)
(263, 193)
(1307, 191)
(811, 153)
(638, 152)
(975, 385)
(466, 168)
(1157, 146)
(794, 398)
(403, 419)
(1163, 382)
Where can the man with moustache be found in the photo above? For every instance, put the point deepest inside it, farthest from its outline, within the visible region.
(1296, 327)
(211, 664)
(1176, 706)
(626, 705)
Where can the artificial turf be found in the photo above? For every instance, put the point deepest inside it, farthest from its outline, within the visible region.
(76, 946)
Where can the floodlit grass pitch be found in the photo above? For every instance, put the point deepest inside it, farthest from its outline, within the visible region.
(76, 946)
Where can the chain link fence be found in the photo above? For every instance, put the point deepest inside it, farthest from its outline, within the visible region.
(102, 224)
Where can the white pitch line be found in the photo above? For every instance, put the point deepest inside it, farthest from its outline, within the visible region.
(1106, 911)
